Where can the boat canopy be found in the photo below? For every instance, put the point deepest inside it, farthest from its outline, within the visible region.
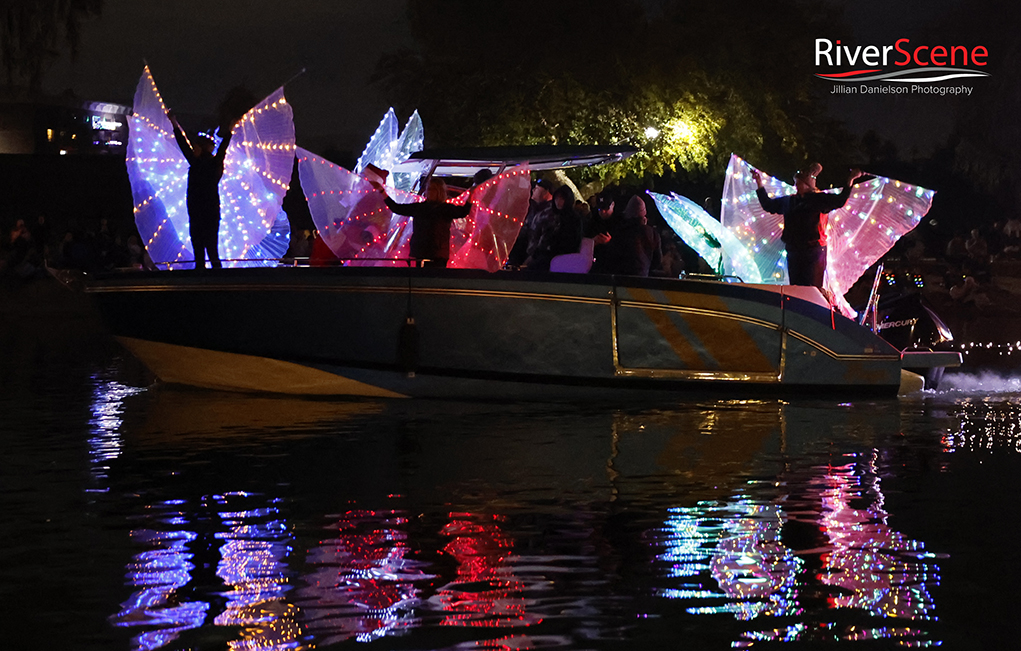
(469, 160)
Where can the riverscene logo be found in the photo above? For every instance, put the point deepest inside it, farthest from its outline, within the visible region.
(900, 68)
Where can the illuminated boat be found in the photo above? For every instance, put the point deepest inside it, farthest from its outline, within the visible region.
(397, 331)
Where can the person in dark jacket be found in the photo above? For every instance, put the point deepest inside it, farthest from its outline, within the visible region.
(542, 194)
(205, 169)
(639, 248)
(556, 231)
(430, 223)
(805, 222)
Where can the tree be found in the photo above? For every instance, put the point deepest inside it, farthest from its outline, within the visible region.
(32, 33)
(686, 86)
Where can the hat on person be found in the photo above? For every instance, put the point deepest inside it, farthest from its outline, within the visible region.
(604, 201)
(635, 208)
(546, 185)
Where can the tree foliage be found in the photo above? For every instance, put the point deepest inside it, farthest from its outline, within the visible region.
(33, 32)
(687, 85)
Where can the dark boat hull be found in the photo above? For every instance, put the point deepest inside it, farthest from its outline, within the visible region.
(453, 333)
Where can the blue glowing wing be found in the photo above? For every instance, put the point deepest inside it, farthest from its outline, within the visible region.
(158, 174)
(699, 230)
(757, 230)
(380, 144)
(254, 230)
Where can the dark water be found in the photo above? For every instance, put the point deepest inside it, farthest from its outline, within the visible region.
(139, 516)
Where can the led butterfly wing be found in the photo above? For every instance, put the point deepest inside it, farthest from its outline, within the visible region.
(158, 175)
(380, 144)
(254, 230)
(351, 215)
(875, 216)
(688, 221)
(412, 139)
(499, 206)
(757, 230)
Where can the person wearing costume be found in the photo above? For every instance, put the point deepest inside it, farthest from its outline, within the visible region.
(430, 223)
(804, 222)
(205, 169)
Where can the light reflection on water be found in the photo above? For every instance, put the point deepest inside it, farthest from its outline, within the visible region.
(270, 523)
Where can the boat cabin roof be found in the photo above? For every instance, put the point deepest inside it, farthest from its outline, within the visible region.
(467, 161)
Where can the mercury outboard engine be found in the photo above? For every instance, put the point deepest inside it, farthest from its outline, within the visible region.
(908, 323)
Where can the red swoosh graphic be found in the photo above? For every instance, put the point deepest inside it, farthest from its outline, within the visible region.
(848, 74)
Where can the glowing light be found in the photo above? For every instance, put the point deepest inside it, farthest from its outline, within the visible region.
(651, 132)
(257, 165)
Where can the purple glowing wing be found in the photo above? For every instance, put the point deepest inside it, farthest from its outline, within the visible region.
(878, 213)
(351, 216)
(254, 230)
(380, 144)
(757, 230)
(498, 209)
(158, 174)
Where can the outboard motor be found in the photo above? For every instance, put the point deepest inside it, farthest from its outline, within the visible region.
(908, 323)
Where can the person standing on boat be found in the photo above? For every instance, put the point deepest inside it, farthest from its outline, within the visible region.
(205, 169)
(430, 222)
(804, 222)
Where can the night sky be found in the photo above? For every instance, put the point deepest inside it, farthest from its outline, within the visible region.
(199, 49)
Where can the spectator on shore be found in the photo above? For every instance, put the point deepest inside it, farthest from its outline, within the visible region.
(957, 249)
(977, 247)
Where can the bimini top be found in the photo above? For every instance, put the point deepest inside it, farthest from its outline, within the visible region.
(469, 160)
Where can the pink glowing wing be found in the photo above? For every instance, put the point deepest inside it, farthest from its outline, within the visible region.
(158, 174)
(756, 229)
(254, 229)
(351, 215)
(498, 209)
(878, 213)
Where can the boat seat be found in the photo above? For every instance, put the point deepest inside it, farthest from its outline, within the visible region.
(575, 263)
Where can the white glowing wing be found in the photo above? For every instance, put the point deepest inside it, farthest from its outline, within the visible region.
(158, 174)
(254, 230)
(412, 139)
(386, 148)
(351, 215)
(876, 215)
(699, 230)
(757, 230)
(380, 144)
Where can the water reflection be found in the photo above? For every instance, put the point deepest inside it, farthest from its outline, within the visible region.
(358, 582)
(253, 565)
(107, 407)
(161, 572)
(813, 541)
(509, 529)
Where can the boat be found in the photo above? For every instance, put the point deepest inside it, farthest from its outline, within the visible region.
(451, 333)
(408, 332)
